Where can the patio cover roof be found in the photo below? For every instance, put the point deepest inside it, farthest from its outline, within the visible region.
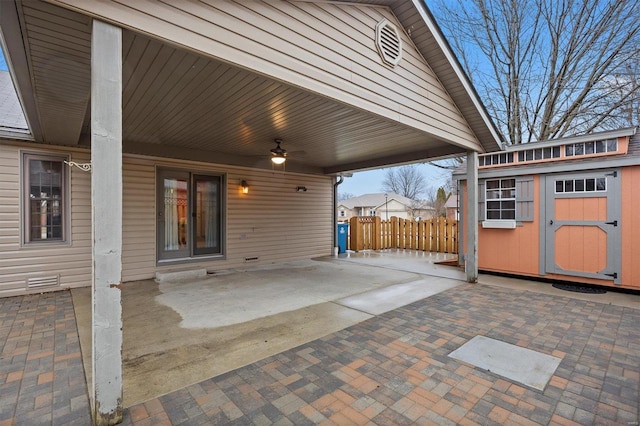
(235, 122)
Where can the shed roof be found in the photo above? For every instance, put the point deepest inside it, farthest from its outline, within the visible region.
(632, 157)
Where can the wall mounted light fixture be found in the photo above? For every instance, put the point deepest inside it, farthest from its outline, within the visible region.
(245, 187)
(301, 189)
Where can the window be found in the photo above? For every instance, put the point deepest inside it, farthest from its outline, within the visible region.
(341, 213)
(587, 148)
(581, 185)
(500, 199)
(372, 212)
(190, 214)
(495, 159)
(539, 154)
(44, 198)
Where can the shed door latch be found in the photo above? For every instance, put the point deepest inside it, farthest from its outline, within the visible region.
(614, 223)
(613, 275)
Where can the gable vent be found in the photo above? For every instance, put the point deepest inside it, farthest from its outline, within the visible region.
(38, 282)
(388, 43)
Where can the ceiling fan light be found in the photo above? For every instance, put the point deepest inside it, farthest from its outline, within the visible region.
(278, 159)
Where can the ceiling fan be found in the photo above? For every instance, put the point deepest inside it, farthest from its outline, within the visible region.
(278, 154)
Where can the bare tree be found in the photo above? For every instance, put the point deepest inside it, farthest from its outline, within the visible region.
(345, 196)
(405, 180)
(547, 68)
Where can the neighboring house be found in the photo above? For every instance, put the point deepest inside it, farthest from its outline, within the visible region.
(382, 205)
(12, 120)
(452, 207)
(565, 209)
(176, 107)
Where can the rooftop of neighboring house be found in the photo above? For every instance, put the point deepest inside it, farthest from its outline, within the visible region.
(375, 200)
(11, 116)
(452, 202)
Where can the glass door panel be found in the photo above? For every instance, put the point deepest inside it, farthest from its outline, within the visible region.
(207, 226)
(173, 217)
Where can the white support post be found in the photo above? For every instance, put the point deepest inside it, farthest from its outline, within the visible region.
(471, 223)
(106, 215)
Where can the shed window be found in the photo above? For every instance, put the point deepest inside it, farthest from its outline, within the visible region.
(500, 199)
(587, 148)
(581, 185)
(44, 199)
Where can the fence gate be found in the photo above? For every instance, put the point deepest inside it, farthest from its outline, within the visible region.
(371, 233)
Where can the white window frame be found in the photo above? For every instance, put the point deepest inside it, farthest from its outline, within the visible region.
(501, 222)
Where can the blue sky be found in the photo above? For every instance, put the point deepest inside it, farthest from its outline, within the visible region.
(3, 63)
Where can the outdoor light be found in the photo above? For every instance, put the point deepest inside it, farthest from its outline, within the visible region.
(245, 187)
(278, 154)
(278, 159)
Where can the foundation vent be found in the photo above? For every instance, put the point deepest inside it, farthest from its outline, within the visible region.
(40, 282)
(388, 43)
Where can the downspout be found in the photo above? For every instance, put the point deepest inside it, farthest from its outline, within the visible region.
(339, 180)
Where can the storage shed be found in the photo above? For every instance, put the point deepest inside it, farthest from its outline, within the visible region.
(566, 209)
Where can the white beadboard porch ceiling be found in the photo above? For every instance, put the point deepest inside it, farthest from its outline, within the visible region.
(180, 104)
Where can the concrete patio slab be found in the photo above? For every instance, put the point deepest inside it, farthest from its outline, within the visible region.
(521, 365)
(382, 300)
(191, 330)
(234, 297)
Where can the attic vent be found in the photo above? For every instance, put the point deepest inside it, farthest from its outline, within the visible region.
(52, 281)
(388, 43)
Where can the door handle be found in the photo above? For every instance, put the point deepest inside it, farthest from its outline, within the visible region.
(551, 222)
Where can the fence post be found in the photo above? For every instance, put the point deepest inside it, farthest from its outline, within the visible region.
(394, 232)
(377, 229)
(354, 233)
(386, 234)
(440, 227)
(454, 236)
(408, 233)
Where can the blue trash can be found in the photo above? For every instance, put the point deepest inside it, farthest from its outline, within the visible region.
(343, 231)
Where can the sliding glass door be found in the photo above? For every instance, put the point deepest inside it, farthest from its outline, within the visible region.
(189, 214)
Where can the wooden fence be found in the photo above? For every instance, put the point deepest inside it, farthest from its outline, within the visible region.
(372, 233)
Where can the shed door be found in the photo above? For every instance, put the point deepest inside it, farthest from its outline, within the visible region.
(582, 230)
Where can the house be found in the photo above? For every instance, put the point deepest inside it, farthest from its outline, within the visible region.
(452, 206)
(172, 136)
(383, 205)
(565, 209)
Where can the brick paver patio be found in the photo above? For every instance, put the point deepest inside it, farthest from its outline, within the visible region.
(41, 374)
(393, 369)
